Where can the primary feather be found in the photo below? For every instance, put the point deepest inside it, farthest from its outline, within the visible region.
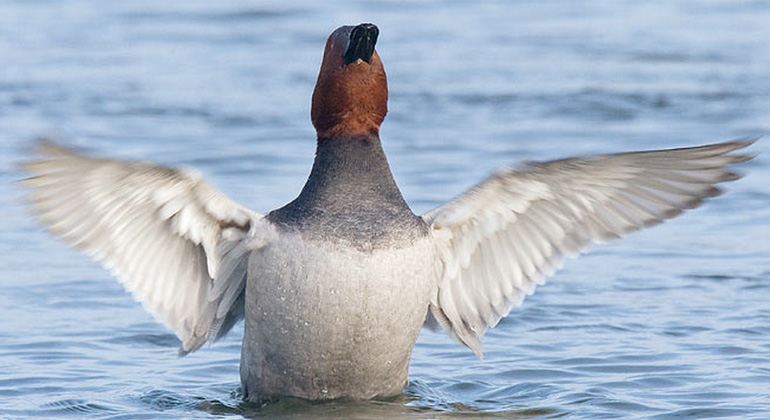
(179, 245)
(503, 237)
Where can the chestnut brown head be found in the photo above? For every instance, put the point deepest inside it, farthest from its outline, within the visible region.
(351, 94)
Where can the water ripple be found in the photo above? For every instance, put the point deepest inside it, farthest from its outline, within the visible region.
(671, 323)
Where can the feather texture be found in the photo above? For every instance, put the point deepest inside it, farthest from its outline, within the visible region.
(176, 243)
(503, 237)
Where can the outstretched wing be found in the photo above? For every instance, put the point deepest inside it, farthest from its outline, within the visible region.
(500, 239)
(176, 243)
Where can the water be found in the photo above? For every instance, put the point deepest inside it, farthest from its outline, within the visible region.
(670, 323)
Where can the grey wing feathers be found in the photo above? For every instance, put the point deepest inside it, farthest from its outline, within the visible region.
(502, 238)
(177, 244)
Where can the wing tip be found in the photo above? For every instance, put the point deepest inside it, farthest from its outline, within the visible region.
(472, 341)
(191, 345)
(45, 152)
(48, 147)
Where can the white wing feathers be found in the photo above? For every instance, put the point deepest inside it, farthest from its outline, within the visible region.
(180, 246)
(499, 240)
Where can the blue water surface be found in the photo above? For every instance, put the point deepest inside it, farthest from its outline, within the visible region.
(671, 323)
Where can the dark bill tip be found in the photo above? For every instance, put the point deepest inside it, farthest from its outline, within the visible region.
(361, 43)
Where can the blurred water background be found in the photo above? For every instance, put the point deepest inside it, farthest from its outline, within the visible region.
(672, 323)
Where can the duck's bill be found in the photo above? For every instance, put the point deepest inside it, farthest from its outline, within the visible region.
(361, 44)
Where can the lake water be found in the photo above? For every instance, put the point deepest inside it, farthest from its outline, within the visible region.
(671, 323)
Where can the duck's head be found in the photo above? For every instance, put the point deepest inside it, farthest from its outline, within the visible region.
(351, 94)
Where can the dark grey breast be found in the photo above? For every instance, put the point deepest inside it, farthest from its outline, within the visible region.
(351, 196)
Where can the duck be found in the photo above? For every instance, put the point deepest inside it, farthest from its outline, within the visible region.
(335, 286)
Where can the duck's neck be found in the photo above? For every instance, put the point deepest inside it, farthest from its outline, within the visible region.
(351, 195)
(350, 179)
(354, 170)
